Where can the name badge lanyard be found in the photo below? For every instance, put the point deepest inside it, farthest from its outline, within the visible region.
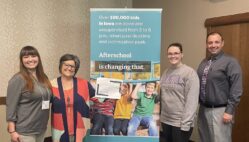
(45, 95)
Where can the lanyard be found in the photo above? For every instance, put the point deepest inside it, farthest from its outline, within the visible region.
(41, 88)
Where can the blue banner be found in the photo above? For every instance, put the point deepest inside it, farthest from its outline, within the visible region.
(125, 68)
(126, 40)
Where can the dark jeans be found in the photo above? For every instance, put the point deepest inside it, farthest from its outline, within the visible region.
(100, 121)
(175, 134)
(120, 125)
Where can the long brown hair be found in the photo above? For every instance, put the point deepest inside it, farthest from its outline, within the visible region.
(41, 76)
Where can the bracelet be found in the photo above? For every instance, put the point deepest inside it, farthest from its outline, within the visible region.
(12, 132)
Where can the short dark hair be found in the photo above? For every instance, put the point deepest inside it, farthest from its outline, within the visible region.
(176, 44)
(67, 57)
(214, 33)
(149, 82)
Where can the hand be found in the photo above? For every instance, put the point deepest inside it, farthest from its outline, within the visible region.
(227, 118)
(15, 137)
(139, 84)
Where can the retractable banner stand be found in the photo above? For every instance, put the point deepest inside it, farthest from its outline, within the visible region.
(125, 70)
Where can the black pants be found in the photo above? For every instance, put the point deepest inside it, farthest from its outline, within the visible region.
(175, 134)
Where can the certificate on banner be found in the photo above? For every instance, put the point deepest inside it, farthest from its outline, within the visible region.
(108, 88)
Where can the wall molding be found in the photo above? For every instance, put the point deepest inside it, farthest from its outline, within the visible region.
(48, 139)
(227, 20)
(2, 100)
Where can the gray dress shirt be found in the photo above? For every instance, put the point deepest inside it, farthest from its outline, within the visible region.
(224, 81)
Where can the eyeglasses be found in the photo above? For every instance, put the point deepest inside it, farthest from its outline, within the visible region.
(69, 66)
(174, 53)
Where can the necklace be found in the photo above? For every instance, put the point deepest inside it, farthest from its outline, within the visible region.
(69, 100)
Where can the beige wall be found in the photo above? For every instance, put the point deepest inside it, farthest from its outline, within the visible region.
(183, 21)
(54, 27)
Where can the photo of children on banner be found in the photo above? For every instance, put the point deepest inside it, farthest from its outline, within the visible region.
(107, 92)
(123, 110)
(124, 116)
(102, 116)
(143, 113)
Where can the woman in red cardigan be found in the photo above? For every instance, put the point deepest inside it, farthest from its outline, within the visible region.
(70, 103)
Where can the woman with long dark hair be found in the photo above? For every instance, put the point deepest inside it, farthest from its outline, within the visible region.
(28, 97)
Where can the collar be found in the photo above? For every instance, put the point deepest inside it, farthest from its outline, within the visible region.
(216, 56)
(148, 97)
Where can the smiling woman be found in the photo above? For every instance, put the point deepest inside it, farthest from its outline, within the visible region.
(175, 54)
(179, 97)
(30, 62)
(27, 101)
(70, 103)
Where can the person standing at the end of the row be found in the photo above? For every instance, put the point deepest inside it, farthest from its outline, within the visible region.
(220, 91)
(179, 97)
(28, 96)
